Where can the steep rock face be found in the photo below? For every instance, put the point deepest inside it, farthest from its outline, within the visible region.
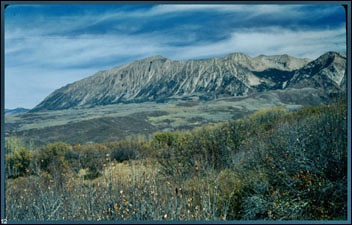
(282, 62)
(327, 72)
(154, 78)
(158, 78)
(263, 62)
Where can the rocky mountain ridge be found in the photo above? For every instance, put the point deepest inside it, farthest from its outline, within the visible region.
(159, 79)
(328, 71)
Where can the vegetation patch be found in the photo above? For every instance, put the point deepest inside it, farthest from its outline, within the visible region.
(187, 104)
(275, 164)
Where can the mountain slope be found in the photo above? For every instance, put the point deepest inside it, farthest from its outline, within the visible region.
(327, 72)
(15, 111)
(158, 79)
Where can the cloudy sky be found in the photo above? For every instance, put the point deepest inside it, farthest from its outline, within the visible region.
(48, 46)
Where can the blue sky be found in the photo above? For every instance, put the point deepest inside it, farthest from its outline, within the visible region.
(50, 45)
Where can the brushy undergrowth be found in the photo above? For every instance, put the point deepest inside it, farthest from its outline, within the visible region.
(272, 165)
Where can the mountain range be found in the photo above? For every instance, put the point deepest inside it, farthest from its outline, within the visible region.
(157, 94)
(160, 79)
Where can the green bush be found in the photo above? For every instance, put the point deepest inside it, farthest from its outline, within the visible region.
(94, 156)
(17, 163)
(230, 195)
(51, 159)
(124, 150)
(73, 158)
(161, 140)
(51, 153)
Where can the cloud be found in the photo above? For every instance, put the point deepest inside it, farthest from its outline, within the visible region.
(270, 41)
(61, 52)
(233, 8)
(95, 50)
(300, 43)
(134, 19)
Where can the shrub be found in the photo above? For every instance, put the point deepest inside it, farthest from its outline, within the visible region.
(51, 158)
(124, 150)
(94, 156)
(13, 144)
(305, 161)
(52, 152)
(73, 158)
(273, 165)
(230, 195)
(161, 140)
(17, 163)
(264, 119)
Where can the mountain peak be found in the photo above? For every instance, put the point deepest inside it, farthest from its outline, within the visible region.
(155, 58)
(329, 58)
(331, 55)
(327, 71)
(237, 56)
(283, 62)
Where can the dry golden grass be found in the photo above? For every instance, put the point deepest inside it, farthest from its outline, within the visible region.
(123, 172)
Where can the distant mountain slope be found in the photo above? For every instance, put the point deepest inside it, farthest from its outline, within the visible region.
(327, 72)
(158, 79)
(15, 111)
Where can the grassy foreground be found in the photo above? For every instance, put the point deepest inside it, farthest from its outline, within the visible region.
(272, 165)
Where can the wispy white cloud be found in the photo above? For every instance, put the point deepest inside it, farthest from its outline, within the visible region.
(301, 43)
(61, 52)
(67, 23)
(242, 8)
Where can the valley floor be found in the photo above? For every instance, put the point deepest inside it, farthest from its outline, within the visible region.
(140, 121)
